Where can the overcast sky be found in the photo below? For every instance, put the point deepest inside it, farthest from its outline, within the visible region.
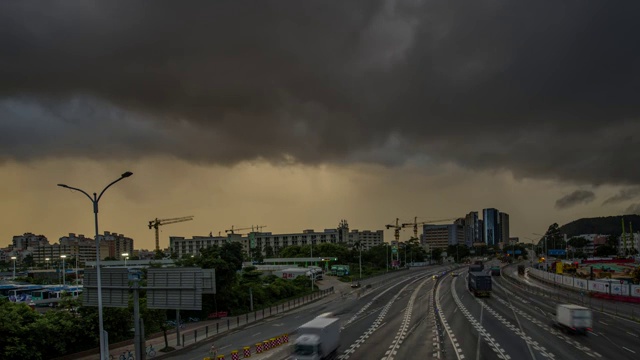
(296, 114)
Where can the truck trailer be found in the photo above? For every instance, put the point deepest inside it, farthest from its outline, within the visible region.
(318, 339)
(573, 318)
(480, 284)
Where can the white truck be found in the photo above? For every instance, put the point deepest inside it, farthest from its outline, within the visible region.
(318, 339)
(573, 318)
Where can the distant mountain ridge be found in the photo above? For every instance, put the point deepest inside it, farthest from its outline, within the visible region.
(609, 225)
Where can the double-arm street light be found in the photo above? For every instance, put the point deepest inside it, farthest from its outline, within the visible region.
(104, 347)
(14, 266)
(64, 281)
(126, 257)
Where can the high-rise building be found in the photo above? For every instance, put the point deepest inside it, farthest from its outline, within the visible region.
(22, 242)
(472, 231)
(504, 227)
(114, 245)
(491, 218)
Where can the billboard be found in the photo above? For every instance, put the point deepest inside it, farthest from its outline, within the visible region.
(115, 287)
(174, 288)
(557, 252)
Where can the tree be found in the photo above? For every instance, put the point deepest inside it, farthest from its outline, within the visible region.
(158, 255)
(28, 261)
(436, 253)
(268, 251)
(553, 237)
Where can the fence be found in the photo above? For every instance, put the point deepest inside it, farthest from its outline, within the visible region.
(193, 336)
(610, 288)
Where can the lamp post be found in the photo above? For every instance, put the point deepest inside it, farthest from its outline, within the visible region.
(14, 266)
(64, 281)
(46, 261)
(104, 346)
(386, 246)
(126, 257)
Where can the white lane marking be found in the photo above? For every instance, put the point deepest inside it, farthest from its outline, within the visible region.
(632, 334)
(602, 322)
(256, 334)
(479, 337)
(550, 330)
(402, 332)
(377, 323)
(628, 349)
(444, 322)
(493, 344)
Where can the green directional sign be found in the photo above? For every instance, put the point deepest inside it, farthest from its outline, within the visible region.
(252, 240)
(394, 249)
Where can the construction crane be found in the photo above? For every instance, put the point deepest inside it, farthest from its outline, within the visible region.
(257, 227)
(396, 229)
(415, 224)
(156, 223)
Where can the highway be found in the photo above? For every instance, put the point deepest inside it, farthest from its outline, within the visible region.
(374, 320)
(409, 315)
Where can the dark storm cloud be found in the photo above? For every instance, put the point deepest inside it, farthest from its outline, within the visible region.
(633, 209)
(575, 198)
(542, 90)
(623, 195)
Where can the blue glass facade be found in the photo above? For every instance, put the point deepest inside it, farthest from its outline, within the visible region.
(491, 230)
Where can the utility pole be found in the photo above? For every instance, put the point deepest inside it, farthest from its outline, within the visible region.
(251, 297)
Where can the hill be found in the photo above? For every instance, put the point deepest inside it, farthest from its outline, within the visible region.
(609, 225)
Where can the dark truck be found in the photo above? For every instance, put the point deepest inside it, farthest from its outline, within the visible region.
(495, 270)
(480, 284)
(476, 267)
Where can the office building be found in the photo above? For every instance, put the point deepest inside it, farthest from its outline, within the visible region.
(472, 229)
(491, 218)
(441, 236)
(504, 227)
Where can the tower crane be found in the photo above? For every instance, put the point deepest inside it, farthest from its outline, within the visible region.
(257, 227)
(156, 223)
(415, 224)
(396, 229)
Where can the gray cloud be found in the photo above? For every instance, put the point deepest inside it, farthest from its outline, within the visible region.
(487, 85)
(633, 209)
(623, 195)
(575, 198)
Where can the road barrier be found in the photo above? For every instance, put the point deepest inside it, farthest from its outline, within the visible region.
(246, 351)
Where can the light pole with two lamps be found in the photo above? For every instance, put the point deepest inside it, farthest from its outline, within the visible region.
(126, 257)
(46, 261)
(64, 281)
(104, 346)
(14, 266)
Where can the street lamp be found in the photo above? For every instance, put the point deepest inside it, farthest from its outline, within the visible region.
(104, 347)
(386, 246)
(126, 256)
(46, 261)
(14, 266)
(64, 282)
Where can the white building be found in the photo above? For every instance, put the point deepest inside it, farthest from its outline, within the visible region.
(633, 242)
(340, 235)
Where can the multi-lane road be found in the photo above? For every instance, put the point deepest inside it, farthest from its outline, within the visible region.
(411, 315)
